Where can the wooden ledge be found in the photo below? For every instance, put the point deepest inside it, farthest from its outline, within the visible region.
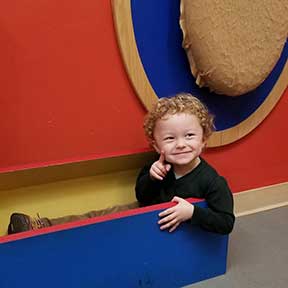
(44, 175)
(261, 199)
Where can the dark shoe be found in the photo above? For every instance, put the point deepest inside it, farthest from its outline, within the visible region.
(20, 222)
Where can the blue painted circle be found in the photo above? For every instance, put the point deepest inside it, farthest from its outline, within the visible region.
(159, 42)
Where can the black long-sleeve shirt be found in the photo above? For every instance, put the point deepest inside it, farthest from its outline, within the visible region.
(201, 182)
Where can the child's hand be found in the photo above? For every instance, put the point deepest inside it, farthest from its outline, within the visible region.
(159, 168)
(173, 216)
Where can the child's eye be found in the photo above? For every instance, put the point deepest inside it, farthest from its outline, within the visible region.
(168, 138)
(189, 135)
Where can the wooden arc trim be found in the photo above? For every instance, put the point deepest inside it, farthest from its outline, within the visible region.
(136, 73)
(126, 40)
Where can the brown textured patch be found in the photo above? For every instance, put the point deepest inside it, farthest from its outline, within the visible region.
(232, 45)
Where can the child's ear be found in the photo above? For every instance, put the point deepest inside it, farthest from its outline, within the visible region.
(154, 145)
(204, 143)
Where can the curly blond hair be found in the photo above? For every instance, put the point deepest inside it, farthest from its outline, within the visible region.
(180, 103)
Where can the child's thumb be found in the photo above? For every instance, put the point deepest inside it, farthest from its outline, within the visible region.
(162, 157)
(176, 199)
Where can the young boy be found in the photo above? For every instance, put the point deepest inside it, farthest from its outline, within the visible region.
(178, 129)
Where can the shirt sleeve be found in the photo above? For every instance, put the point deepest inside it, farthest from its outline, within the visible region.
(218, 216)
(147, 190)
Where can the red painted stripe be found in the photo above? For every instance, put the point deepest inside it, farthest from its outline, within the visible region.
(90, 157)
(75, 224)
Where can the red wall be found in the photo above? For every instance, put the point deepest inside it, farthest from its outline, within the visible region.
(260, 158)
(64, 93)
(65, 96)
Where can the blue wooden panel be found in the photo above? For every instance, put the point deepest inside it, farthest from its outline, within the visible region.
(125, 252)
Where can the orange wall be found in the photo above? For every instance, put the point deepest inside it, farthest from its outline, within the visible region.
(65, 96)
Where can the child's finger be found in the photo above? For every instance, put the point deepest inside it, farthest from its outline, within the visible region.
(159, 171)
(167, 167)
(161, 168)
(168, 218)
(174, 227)
(166, 212)
(155, 175)
(169, 224)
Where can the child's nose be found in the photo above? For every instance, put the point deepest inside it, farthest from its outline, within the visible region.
(181, 143)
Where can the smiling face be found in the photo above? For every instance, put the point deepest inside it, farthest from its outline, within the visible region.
(180, 138)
